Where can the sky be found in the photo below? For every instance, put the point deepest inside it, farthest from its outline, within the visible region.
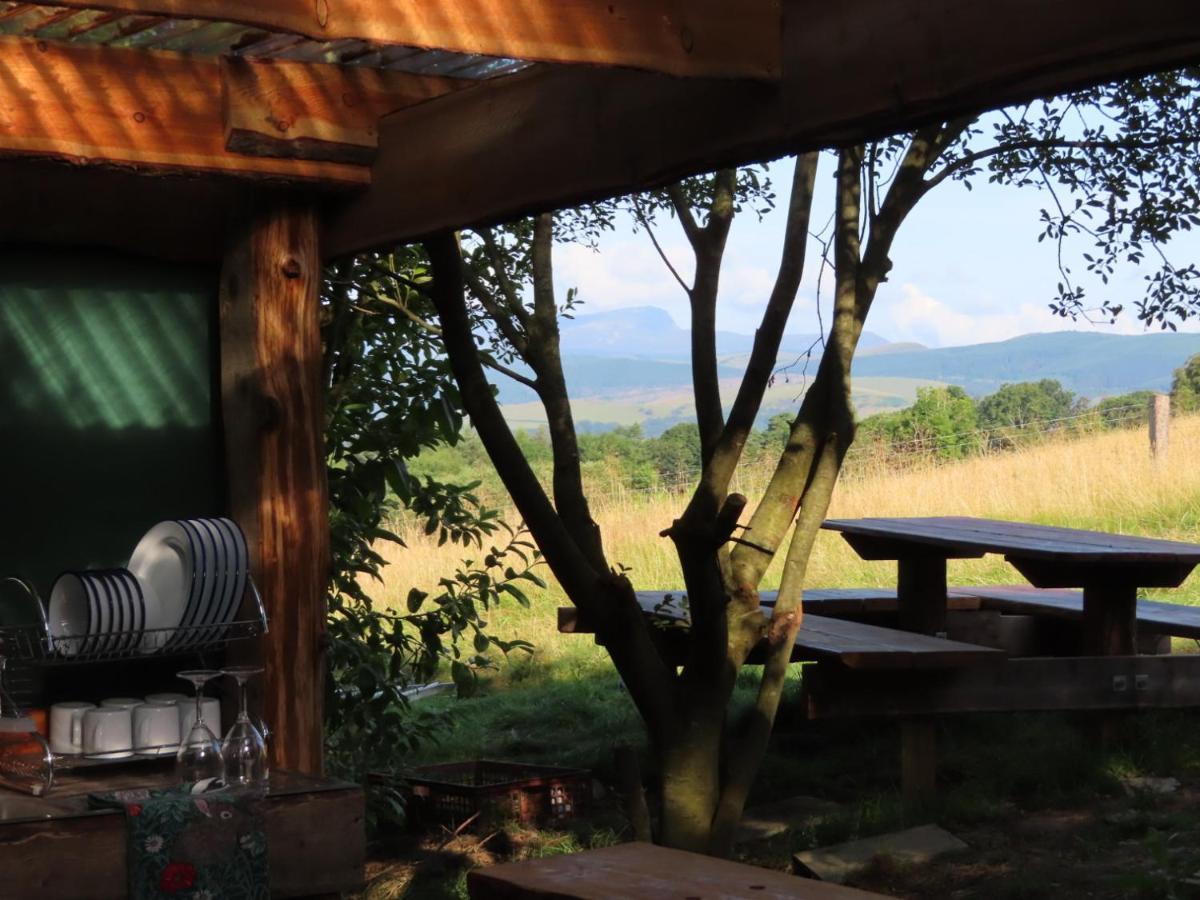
(968, 269)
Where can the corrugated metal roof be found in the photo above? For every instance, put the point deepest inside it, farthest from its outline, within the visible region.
(87, 26)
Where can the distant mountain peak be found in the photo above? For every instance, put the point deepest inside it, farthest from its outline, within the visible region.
(651, 332)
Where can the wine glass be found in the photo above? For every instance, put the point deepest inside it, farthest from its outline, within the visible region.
(199, 757)
(244, 749)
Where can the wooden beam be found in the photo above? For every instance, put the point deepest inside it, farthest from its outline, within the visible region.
(546, 139)
(271, 400)
(716, 38)
(159, 111)
(302, 111)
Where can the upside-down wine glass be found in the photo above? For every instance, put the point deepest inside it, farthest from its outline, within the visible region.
(244, 749)
(199, 757)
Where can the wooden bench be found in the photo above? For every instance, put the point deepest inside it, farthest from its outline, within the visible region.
(1153, 616)
(852, 644)
(639, 871)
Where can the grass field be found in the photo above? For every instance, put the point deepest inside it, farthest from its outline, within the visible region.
(1106, 482)
(564, 704)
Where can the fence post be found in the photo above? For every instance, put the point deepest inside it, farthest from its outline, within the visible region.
(1160, 425)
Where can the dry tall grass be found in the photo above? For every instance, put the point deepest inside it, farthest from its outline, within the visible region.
(1106, 481)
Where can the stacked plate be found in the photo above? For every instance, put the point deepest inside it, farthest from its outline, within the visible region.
(197, 570)
(97, 613)
(183, 586)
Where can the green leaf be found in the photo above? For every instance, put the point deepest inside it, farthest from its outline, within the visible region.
(415, 598)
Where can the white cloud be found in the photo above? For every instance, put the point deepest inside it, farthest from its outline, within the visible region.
(625, 272)
(916, 315)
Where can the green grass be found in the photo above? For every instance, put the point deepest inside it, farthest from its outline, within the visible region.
(564, 704)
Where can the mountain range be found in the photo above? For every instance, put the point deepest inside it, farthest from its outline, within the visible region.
(632, 365)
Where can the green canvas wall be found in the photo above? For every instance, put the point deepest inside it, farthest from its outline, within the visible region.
(107, 418)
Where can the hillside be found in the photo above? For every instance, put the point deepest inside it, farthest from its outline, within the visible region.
(1092, 365)
(648, 332)
(632, 366)
(657, 408)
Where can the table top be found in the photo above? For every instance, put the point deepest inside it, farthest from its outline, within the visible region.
(1017, 539)
(638, 871)
(68, 797)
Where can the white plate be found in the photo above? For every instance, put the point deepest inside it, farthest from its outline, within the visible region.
(133, 609)
(164, 563)
(206, 597)
(235, 571)
(101, 614)
(114, 623)
(68, 614)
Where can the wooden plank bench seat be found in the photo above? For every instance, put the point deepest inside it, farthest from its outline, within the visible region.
(1152, 615)
(853, 644)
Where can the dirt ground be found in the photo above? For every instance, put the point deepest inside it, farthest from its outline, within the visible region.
(1137, 844)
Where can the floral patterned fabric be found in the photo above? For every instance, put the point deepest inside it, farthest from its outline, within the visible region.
(185, 846)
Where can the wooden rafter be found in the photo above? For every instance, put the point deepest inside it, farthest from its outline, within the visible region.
(160, 111)
(304, 111)
(715, 38)
(545, 139)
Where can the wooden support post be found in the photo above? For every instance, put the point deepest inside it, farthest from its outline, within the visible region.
(1160, 424)
(918, 761)
(921, 596)
(272, 408)
(1109, 620)
(1109, 629)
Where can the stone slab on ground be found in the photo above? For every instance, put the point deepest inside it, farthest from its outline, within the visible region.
(842, 861)
(767, 820)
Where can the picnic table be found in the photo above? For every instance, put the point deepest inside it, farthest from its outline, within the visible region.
(899, 653)
(1109, 567)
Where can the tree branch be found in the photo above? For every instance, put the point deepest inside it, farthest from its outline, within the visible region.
(512, 297)
(605, 598)
(774, 515)
(503, 320)
(645, 223)
(544, 355)
(683, 212)
(769, 335)
(709, 249)
(971, 159)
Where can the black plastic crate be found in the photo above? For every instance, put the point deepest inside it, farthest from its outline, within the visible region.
(453, 792)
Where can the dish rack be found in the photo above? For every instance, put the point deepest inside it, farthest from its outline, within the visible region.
(32, 641)
(32, 644)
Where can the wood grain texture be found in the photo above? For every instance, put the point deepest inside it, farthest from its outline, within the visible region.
(316, 843)
(319, 112)
(637, 871)
(1153, 616)
(274, 438)
(737, 38)
(957, 534)
(550, 138)
(853, 644)
(162, 111)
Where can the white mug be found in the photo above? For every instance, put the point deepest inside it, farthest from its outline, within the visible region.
(156, 728)
(212, 716)
(122, 702)
(108, 733)
(66, 726)
(168, 698)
